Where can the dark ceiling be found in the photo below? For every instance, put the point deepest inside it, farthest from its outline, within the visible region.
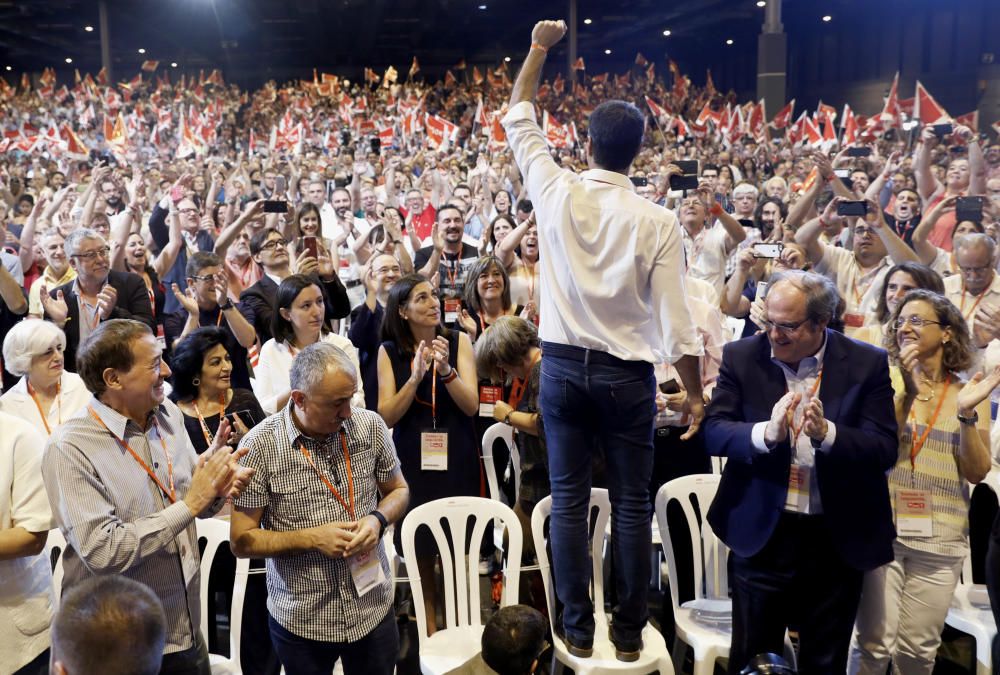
(253, 40)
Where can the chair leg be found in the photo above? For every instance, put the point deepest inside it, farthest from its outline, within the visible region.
(678, 654)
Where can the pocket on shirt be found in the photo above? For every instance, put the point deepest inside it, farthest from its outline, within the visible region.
(32, 615)
(290, 491)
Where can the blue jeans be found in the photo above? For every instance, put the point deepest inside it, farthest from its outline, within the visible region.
(375, 653)
(589, 397)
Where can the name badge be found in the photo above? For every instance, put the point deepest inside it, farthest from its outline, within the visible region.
(797, 499)
(190, 560)
(434, 450)
(854, 320)
(366, 571)
(913, 513)
(488, 396)
(161, 337)
(452, 307)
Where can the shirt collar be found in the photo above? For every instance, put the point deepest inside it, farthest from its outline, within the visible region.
(114, 420)
(604, 176)
(808, 366)
(294, 433)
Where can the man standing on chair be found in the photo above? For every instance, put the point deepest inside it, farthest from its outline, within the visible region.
(612, 304)
(805, 417)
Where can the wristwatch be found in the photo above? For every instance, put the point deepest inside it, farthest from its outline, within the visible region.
(383, 523)
(227, 306)
(968, 420)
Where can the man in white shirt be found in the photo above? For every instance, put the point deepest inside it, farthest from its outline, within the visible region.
(612, 304)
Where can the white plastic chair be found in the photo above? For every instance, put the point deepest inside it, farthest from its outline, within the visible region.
(57, 543)
(734, 328)
(506, 433)
(215, 532)
(970, 608)
(461, 637)
(654, 654)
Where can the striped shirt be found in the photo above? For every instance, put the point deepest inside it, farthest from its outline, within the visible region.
(309, 594)
(115, 518)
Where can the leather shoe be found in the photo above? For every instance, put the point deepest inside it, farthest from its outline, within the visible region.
(582, 650)
(626, 650)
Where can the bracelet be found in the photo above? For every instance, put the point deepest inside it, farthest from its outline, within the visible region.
(506, 420)
(382, 521)
(449, 377)
(535, 45)
(968, 420)
(716, 209)
(226, 307)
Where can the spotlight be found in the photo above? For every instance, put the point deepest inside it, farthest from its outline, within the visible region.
(9, 68)
(607, 51)
(666, 33)
(89, 29)
(173, 64)
(729, 41)
(761, 3)
(141, 50)
(827, 18)
(69, 60)
(507, 59)
(588, 21)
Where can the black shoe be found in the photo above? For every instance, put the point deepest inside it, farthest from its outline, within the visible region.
(626, 650)
(582, 650)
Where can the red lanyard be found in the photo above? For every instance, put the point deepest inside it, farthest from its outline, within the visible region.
(434, 395)
(152, 300)
(917, 442)
(452, 271)
(38, 405)
(791, 413)
(329, 485)
(204, 427)
(972, 312)
(171, 494)
(519, 385)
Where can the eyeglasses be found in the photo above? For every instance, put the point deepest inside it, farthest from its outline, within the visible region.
(273, 243)
(386, 270)
(96, 253)
(204, 278)
(916, 322)
(783, 328)
(974, 270)
(188, 211)
(864, 231)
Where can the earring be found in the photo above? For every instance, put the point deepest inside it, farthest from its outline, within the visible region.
(196, 382)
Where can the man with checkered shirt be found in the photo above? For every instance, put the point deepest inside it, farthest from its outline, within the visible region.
(328, 483)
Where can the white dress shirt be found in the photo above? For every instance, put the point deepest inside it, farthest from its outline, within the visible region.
(73, 397)
(612, 263)
(271, 376)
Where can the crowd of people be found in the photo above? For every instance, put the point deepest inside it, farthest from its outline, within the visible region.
(319, 327)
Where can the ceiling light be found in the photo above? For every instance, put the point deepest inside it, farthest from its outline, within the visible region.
(173, 64)
(729, 41)
(9, 68)
(69, 60)
(666, 33)
(761, 3)
(141, 50)
(89, 29)
(607, 51)
(827, 18)
(588, 21)
(507, 59)
(482, 6)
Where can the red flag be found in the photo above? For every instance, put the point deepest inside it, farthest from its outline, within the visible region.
(557, 135)
(578, 64)
(477, 77)
(599, 79)
(559, 85)
(849, 123)
(794, 133)
(74, 146)
(811, 131)
(891, 114)
(926, 109)
(460, 65)
(623, 80)
(707, 114)
(680, 82)
(251, 144)
(640, 60)
(651, 72)
(498, 137)
(970, 120)
(757, 122)
(387, 136)
(414, 67)
(102, 76)
(439, 131)
(810, 179)
(709, 83)
(449, 79)
(829, 135)
(25, 82)
(150, 66)
(784, 116)
(682, 128)
(659, 112)
(824, 112)
(906, 106)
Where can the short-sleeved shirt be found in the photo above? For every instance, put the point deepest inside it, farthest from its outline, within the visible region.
(310, 595)
(859, 290)
(706, 256)
(451, 270)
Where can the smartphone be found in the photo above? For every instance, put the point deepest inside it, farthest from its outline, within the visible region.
(760, 291)
(280, 185)
(345, 138)
(859, 208)
(763, 249)
(670, 387)
(275, 206)
(244, 416)
(845, 177)
(859, 151)
(942, 130)
(969, 208)
(310, 244)
(376, 145)
(639, 181)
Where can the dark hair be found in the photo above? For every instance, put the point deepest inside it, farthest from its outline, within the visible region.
(281, 328)
(446, 207)
(307, 207)
(199, 261)
(710, 167)
(394, 327)
(478, 269)
(925, 277)
(956, 353)
(510, 199)
(258, 240)
(500, 216)
(188, 358)
(615, 130)
(513, 639)
(109, 346)
(525, 206)
(461, 185)
(111, 625)
(759, 211)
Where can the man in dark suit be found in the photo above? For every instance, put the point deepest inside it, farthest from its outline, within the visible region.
(268, 249)
(805, 417)
(97, 294)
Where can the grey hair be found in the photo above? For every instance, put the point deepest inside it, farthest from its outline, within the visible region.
(311, 364)
(72, 241)
(974, 239)
(821, 294)
(28, 339)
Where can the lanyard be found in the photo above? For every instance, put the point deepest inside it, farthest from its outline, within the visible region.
(791, 413)
(917, 442)
(209, 437)
(519, 385)
(864, 289)
(434, 395)
(350, 477)
(972, 312)
(171, 494)
(452, 271)
(152, 300)
(45, 421)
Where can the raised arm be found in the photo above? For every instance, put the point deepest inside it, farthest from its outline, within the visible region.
(505, 249)
(229, 234)
(27, 242)
(927, 184)
(894, 246)
(927, 251)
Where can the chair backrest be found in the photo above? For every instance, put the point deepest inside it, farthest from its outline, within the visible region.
(243, 573)
(600, 512)
(977, 545)
(734, 328)
(55, 546)
(505, 433)
(215, 532)
(458, 545)
(709, 553)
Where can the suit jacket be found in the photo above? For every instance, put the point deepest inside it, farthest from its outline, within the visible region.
(132, 303)
(857, 396)
(262, 299)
